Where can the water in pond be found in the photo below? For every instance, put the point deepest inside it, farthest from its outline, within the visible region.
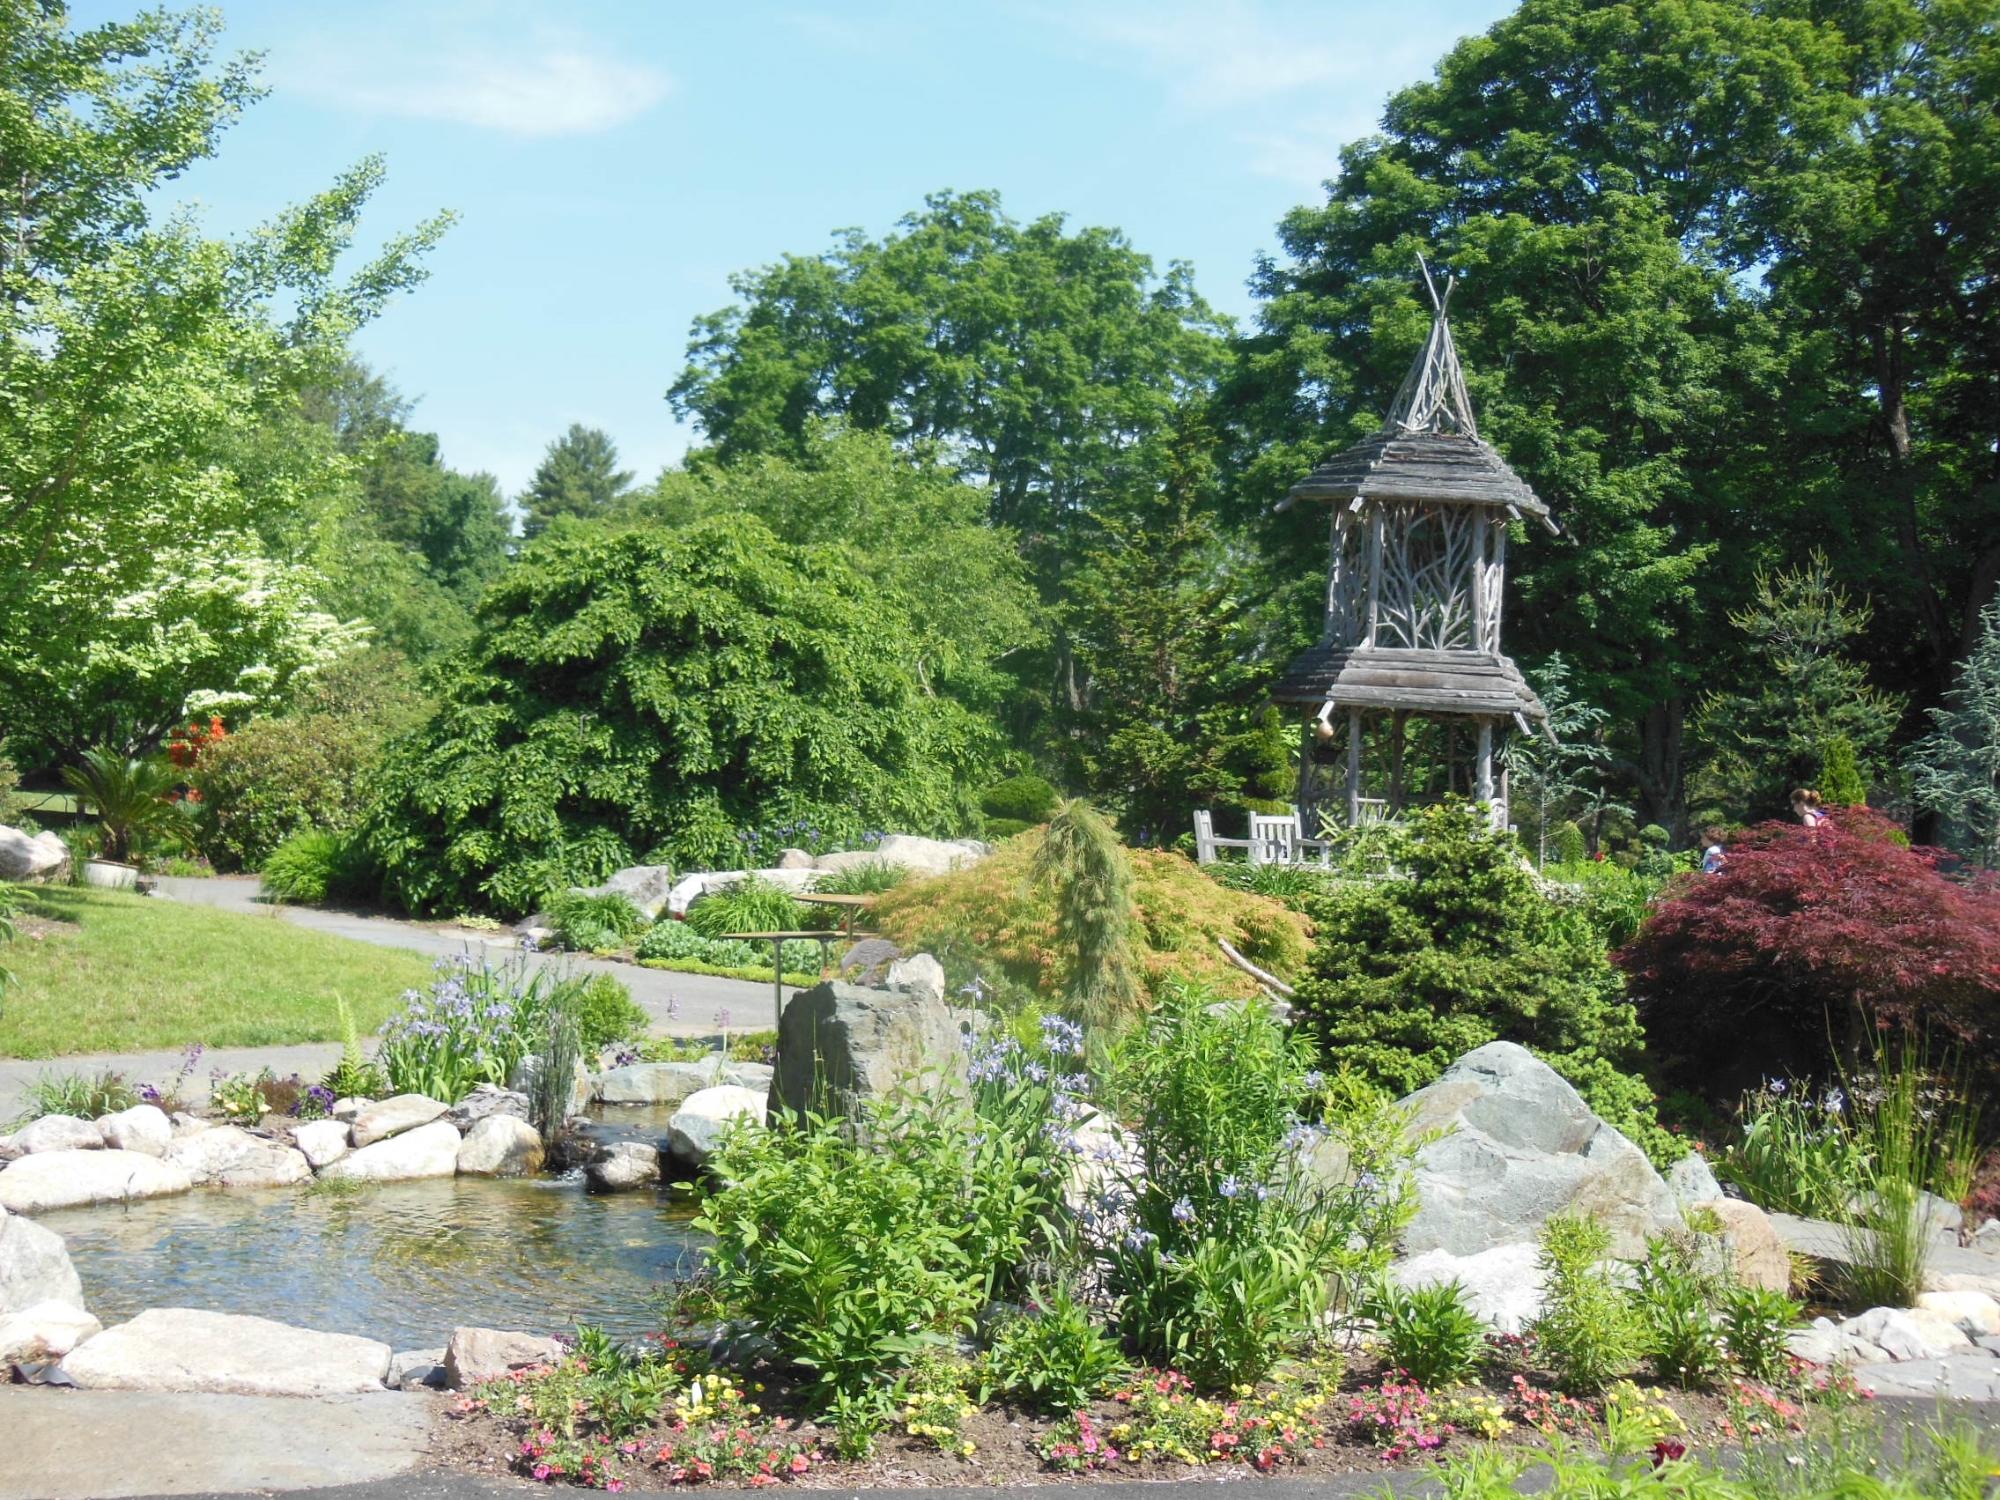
(401, 1262)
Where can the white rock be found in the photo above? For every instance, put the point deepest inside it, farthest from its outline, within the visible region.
(346, 1109)
(190, 1124)
(322, 1142)
(1757, 1253)
(691, 888)
(230, 1156)
(622, 1165)
(656, 1083)
(645, 886)
(912, 852)
(1503, 1286)
(428, 1151)
(1973, 1313)
(500, 1146)
(747, 1075)
(477, 1355)
(1522, 1146)
(698, 1125)
(393, 1116)
(67, 1179)
(794, 859)
(58, 1133)
(180, 1349)
(920, 974)
(144, 1127)
(1691, 1181)
(25, 858)
(46, 1331)
(34, 1266)
(1906, 1334)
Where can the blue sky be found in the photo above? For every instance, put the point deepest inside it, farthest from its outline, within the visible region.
(612, 164)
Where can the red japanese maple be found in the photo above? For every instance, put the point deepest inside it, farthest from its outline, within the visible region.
(1815, 935)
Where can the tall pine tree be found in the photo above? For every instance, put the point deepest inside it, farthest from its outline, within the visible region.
(579, 476)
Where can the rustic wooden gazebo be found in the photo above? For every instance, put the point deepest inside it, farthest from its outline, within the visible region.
(1407, 685)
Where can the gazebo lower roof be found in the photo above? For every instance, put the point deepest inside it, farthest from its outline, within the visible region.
(1477, 684)
(1396, 464)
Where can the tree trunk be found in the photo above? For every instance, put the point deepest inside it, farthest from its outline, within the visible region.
(1890, 381)
(1660, 790)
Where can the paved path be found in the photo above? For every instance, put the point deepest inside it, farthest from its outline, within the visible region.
(678, 1004)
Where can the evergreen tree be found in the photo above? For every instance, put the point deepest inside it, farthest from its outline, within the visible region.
(1560, 776)
(1955, 769)
(1802, 690)
(1083, 860)
(1840, 781)
(579, 476)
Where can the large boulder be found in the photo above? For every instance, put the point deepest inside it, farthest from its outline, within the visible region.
(645, 886)
(657, 1082)
(393, 1116)
(47, 1331)
(144, 1128)
(484, 1100)
(1504, 1286)
(70, 1179)
(697, 1127)
(181, 1349)
(919, 974)
(57, 1133)
(428, 1151)
(500, 1146)
(477, 1355)
(229, 1156)
(691, 888)
(34, 1266)
(912, 852)
(1692, 1181)
(839, 1045)
(29, 858)
(321, 1142)
(1756, 1252)
(1521, 1146)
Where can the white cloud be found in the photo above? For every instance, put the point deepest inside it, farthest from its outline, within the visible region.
(547, 86)
(1219, 56)
(1307, 153)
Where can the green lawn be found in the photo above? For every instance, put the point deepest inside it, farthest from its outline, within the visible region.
(135, 974)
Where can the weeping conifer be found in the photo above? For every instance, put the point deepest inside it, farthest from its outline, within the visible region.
(1083, 861)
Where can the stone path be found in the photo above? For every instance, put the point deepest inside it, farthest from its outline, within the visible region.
(678, 1004)
(106, 1445)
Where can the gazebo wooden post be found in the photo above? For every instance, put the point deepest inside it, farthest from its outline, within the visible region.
(1483, 763)
(1354, 768)
(1397, 729)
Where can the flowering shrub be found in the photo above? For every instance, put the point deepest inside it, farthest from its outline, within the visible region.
(1075, 1445)
(1809, 936)
(1399, 1417)
(1166, 1420)
(1551, 1412)
(935, 1405)
(473, 1026)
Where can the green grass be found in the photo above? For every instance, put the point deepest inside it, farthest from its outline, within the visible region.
(139, 974)
(759, 973)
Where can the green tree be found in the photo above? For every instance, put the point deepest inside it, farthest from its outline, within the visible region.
(655, 692)
(1558, 778)
(578, 476)
(1955, 769)
(1049, 364)
(137, 360)
(1081, 859)
(1840, 783)
(1802, 690)
(1409, 975)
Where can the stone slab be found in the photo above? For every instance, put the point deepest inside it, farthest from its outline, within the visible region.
(183, 1349)
(113, 1445)
(69, 1179)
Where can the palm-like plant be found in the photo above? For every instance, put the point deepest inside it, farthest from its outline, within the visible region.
(133, 801)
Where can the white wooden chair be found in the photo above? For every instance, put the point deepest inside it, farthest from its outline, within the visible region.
(1206, 844)
(1274, 838)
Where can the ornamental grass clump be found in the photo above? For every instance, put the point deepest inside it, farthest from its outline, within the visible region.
(473, 1025)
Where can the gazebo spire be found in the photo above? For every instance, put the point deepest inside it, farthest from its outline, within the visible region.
(1432, 397)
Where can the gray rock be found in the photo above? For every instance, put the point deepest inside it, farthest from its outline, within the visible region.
(69, 1179)
(839, 1044)
(58, 1133)
(484, 1100)
(1907, 1334)
(322, 1142)
(1988, 1342)
(1522, 1146)
(920, 974)
(1951, 1266)
(868, 961)
(794, 859)
(229, 1156)
(26, 858)
(1963, 1377)
(656, 1083)
(747, 1075)
(144, 1128)
(1691, 1181)
(912, 852)
(185, 1123)
(428, 1151)
(416, 1370)
(500, 1146)
(45, 1332)
(180, 1349)
(393, 1116)
(645, 886)
(622, 1165)
(697, 1127)
(1504, 1286)
(477, 1355)
(1822, 1343)
(34, 1266)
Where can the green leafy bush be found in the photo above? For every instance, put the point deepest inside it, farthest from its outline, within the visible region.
(751, 904)
(307, 868)
(587, 921)
(1587, 1333)
(1054, 1359)
(651, 692)
(1083, 864)
(1026, 800)
(1677, 1297)
(1569, 846)
(1411, 974)
(275, 779)
(1755, 1324)
(1430, 1334)
(1793, 1153)
(84, 1095)
(132, 799)
(868, 877)
(604, 1012)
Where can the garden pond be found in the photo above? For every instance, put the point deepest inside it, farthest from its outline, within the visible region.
(403, 1262)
